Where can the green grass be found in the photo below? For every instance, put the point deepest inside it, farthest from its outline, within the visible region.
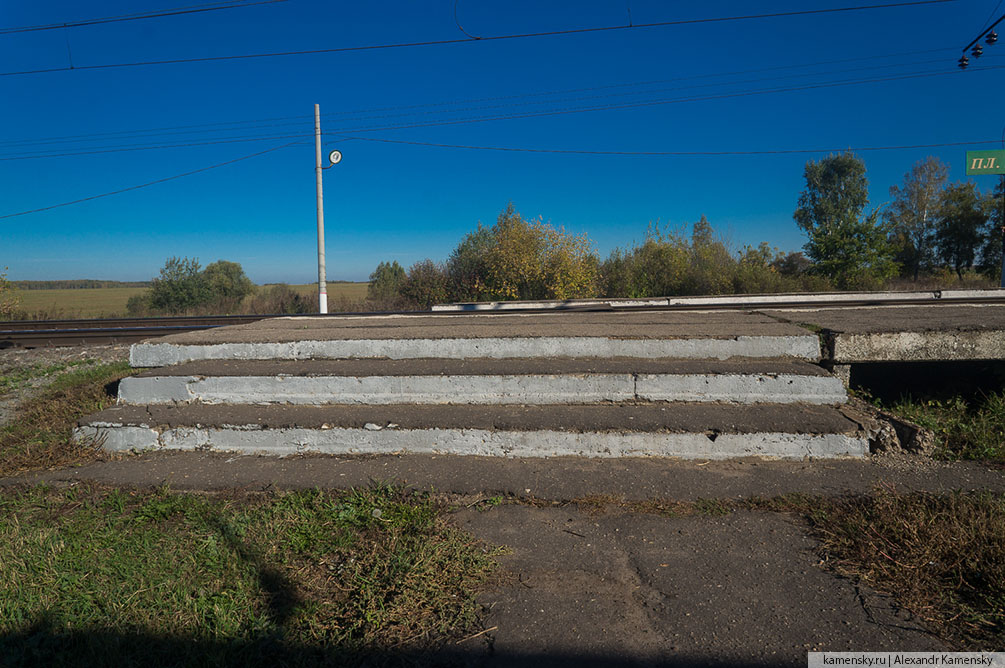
(16, 378)
(99, 576)
(965, 430)
(39, 436)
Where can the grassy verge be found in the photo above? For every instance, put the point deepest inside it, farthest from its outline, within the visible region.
(39, 437)
(942, 557)
(965, 429)
(100, 576)
(16, 378)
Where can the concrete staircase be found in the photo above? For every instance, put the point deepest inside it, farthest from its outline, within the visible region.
(707, 385)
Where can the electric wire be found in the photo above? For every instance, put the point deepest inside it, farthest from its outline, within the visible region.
(461, 40)
(148, 184)
(415, 112)
(122, 149)
(192, 9)
(343, 129)
(650, 103)
(671, 153)
(216, 126)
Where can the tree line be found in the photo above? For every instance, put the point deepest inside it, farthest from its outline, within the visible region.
(77, 284)
(930, 226)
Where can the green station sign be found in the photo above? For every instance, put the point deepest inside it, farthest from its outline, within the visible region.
(985, 162)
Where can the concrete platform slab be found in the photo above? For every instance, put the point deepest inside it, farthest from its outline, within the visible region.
(907, 333)
(483, 388)
(707, 431)
(511, 335)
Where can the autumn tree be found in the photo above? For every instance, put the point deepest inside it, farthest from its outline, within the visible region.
(843, 242)
(534, 260)
(425, 284)
(912, 214)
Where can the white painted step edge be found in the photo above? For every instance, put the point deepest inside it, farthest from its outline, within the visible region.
(290, 441)
(165, 354)
(483, 389)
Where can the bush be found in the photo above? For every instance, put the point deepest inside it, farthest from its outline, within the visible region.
(425, 285)
(533, 260)
(227, 281)
(281, 298)
(385, 282)
(467, 267)
(181, 286)
(9, 300)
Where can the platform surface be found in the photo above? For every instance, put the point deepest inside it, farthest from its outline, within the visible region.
(614, 325)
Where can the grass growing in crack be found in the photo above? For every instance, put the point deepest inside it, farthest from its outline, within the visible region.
(966, 430)
(99, 576)
(941, 556)
(39, 436)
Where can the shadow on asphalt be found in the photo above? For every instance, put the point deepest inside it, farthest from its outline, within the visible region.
(45, 644)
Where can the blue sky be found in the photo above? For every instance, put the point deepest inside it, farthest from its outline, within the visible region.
(407, 202)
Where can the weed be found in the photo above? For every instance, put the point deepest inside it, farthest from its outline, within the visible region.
(942, 556)
(966, 430)
(40, 435)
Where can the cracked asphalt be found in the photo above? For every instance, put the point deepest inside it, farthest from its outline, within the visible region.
(620, 589)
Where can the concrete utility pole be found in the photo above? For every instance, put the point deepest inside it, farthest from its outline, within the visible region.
(322, 285)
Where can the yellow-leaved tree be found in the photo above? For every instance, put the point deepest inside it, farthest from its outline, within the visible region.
(534, 260)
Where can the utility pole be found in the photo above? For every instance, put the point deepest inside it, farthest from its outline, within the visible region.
(1001, 221)
(322, 285)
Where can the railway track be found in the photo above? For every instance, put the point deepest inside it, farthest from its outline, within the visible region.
(42, 333)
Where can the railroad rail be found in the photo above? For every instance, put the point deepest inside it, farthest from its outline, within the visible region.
(42, 333)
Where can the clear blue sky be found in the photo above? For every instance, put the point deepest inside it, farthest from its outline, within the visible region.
(407, 202)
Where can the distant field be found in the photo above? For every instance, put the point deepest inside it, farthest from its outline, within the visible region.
(78, 303)
(111, 302)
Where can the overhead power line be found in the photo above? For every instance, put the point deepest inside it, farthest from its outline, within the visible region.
(148, 147)
(658, 102)
(277, 121)
(671, 153)
(461, 40)
(148, 184)
(344, 130)
(177, 11)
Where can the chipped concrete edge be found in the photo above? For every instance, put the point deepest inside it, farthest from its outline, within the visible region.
(165, 354)
(291, 441)
(489, 389)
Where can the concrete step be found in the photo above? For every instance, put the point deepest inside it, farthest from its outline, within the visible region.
(484, 381)
(703, 431)
(647, 335)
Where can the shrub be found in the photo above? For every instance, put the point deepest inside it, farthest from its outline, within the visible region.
(533, 260)
(467, 266)
(9, 300)
(385, 282)
(425, 285)
(227, 281)
(181, 286)
(281, 298)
